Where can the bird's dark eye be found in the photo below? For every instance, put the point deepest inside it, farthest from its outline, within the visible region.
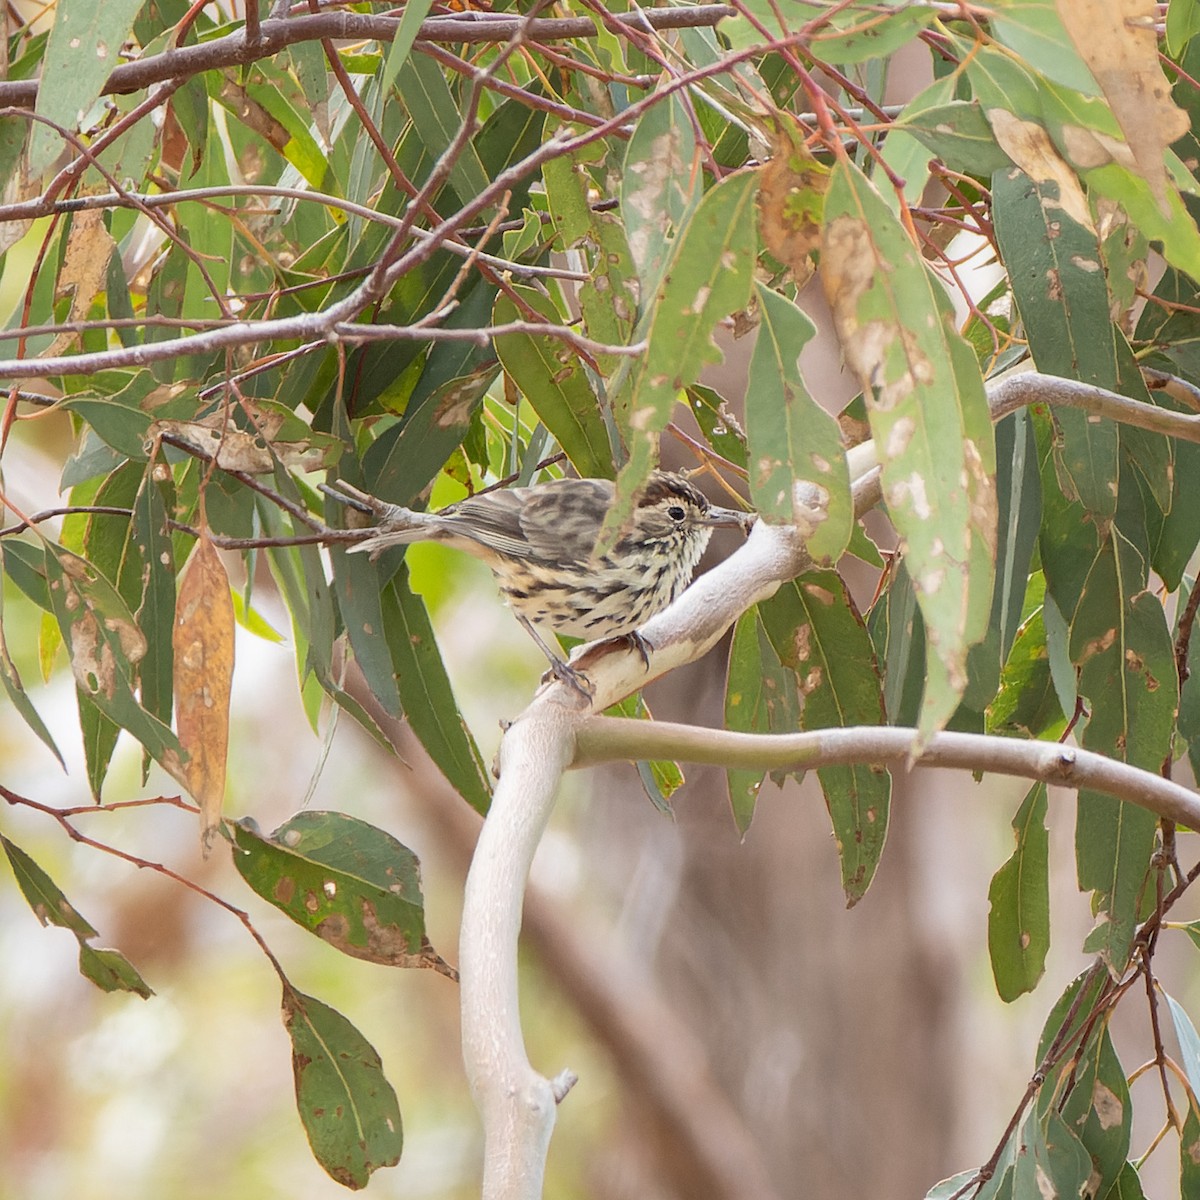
(676, 513)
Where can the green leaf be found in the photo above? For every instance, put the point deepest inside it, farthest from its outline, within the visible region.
(1128, 1185)
(1058, 280)
(710, 274)
(929, 417)
(817, 632)
(356, 584)
(105, 644)
(1122, 646)
(1050, 1160)
(111, 971)
(659, 188)
(397, 54)
(1027, 703)
(354, 886)
(760, 697)
(85, 41)
(718, 423)
(435, 116)
(108, 969)
(426, 696)
(1035, 31)
(608, 298)
(1019, 919)
(1189, 1156)
(1098, 1109)
(1019, 500)
(661, 779)
(348, 1108)
(551, 377)
(43, 895)
(1189, 1043)
(151, 536)
(852, 33)
(799, 474)
(957, 132)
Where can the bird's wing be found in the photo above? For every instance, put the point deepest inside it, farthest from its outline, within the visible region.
(552, 521)
(561, 520)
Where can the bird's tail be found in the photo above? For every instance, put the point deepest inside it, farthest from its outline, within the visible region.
(398, 526)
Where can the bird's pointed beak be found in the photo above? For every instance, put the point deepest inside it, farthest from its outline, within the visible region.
(722, 518)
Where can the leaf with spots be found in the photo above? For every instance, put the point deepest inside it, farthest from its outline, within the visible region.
(1051, 1161)
(798, 471)
(348, 1108)
(105, 646)
(760, 697)
(817, 632)
(351, 884)
(1122, 648)
(709, 277)
(608, 298)
(791, 196)
(1057, 275)
(929, 417)
(203, 677)
(660, 183)
(1120, 46)
(1097, 1107)
(1019, 920)
(107, 969)
(83, 48)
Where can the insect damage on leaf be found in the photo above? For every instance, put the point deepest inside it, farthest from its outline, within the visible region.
(791, 198)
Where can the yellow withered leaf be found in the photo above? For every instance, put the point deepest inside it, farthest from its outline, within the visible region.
(203, 649)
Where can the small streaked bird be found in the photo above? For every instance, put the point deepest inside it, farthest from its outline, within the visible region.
(540, 543)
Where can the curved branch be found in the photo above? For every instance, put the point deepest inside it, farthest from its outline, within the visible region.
(239, 49)
(1032, 387)
(604, 739)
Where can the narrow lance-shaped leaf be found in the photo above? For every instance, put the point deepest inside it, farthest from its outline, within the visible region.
(1122, 647)
(105, 644)
(551, 376)
(426, 695)
(1056, 271)
(1098, 1108)
(816, 631)
(660, 183)
(203, 647)
(11, 679)
(1019, 920)
(798, 470)
(107, 969)
(760, 697)
(608, 298)
(348, 1108)
(710, 275)
(929, 417)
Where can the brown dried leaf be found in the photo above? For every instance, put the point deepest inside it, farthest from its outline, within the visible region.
(1116, 39)
(236, 449)
(203, 647)
(84, 271)
(791, 198)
